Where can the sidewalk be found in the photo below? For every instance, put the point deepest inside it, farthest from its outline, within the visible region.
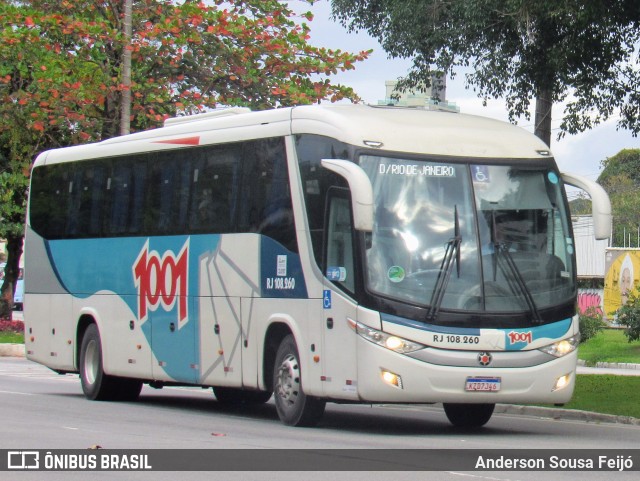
(11, 350)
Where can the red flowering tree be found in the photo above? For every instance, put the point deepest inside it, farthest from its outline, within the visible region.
(61, 77)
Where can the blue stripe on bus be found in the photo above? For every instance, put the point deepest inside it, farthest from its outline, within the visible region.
(515, 339)
(85, 267)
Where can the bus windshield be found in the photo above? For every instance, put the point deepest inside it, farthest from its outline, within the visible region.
(469, 236)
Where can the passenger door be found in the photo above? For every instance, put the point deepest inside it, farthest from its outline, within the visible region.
(339, 340)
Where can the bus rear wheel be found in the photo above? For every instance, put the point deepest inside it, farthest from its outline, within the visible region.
(294, 407)
(97, 385)
(469, 415)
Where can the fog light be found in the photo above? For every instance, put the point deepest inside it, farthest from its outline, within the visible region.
(391, 378)
(562, 382)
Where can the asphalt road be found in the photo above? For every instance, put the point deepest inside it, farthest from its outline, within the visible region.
(43, 410)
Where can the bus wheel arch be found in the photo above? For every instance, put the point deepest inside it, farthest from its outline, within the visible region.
(83, 323)
(276, 332)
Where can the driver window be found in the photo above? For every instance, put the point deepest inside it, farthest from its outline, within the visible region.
(339, 244)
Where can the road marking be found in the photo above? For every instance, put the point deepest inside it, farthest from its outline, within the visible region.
(15, 392)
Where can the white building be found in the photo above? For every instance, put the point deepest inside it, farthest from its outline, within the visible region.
(590, 253)
(433, 97)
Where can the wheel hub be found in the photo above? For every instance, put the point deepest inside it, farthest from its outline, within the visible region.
(288, 383)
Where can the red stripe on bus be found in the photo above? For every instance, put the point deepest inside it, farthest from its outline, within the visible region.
(184, 141)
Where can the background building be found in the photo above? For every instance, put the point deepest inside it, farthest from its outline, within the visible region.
(433, 97)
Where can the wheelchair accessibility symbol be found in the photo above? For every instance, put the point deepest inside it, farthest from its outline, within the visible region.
(480, 173)
(326, 299)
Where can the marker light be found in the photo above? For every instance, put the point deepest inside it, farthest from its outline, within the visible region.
(393, 343)
(561, 382)
(391, 378)
(563, 347)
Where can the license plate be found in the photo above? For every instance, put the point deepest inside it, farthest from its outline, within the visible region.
(484, 384)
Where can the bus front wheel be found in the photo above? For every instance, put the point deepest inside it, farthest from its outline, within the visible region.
(97, 385)
(468, 415)
(294, 407)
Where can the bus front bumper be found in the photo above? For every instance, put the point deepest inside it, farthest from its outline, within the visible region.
(386, 376)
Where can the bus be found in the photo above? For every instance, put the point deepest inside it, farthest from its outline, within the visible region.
(343, 253)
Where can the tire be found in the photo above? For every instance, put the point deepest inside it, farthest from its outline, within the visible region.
(235, 396)
(469, 415)
(294, 407)
(97, 385)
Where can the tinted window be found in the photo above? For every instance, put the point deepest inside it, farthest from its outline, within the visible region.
(240, 187)
(316, 181)
(266, 193)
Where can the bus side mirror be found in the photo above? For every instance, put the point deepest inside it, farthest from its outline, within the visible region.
(600, 203)
(361, 191)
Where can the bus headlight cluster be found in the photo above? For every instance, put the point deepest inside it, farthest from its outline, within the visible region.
(388, 341)
(563, 347)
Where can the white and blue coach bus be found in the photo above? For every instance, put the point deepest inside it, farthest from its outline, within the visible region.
(342, 253)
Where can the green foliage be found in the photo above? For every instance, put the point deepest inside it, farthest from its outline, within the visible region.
(581, 205)
(625, 163)
(621, 179)
(591, 323)
(629, 316)
(517, 50)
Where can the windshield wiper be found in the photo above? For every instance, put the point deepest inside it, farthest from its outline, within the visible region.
(451, 253)
(516, 282)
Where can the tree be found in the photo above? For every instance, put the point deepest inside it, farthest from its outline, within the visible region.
(625, 163)
(620, 177)
(61, 75)
(518, 49)
(629, 316)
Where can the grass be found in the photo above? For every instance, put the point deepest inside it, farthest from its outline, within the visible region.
(609, 345)
(11, 337)
(607, 394)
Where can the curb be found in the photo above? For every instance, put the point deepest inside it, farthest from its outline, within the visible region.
(565, 414)
(611, 365)
(11, 350)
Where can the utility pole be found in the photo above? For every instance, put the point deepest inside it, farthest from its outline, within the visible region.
(125, 107)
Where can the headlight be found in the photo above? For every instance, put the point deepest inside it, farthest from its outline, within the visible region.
(563, 347)
(388, 341)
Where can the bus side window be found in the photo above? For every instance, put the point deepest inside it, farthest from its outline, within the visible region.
(213, 184)
(49, 200)
(266, 195)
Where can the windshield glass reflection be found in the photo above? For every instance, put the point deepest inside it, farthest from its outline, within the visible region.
(468, 237)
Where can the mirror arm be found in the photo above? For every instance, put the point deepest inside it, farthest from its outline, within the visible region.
(600, 203)
(361, 191)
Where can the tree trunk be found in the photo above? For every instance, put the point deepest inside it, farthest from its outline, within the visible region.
(543, 116)
(11, 272)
